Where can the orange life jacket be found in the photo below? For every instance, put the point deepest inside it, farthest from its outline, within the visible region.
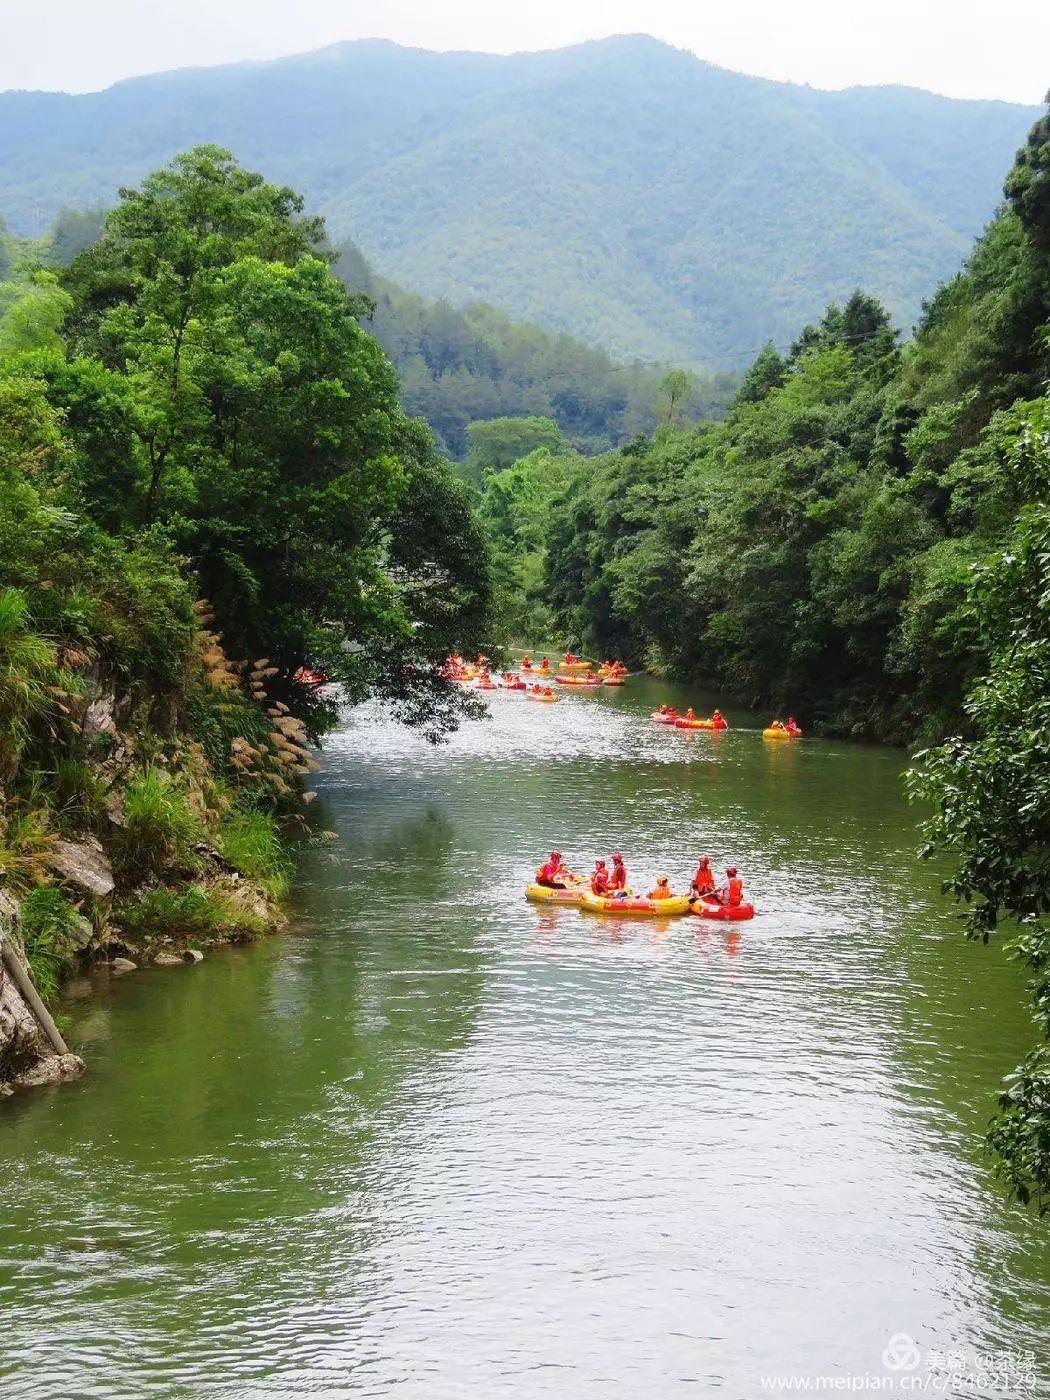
(660, 892)
(599, 882)
(734, 890)
(704, 880)
(618, 878)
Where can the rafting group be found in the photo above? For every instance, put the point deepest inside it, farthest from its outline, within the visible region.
(533, 680)
(607, 891)
(667, 714)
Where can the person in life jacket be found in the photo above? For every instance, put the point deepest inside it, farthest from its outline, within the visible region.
(599, 878)
(547, 690)
(545, 664)
(662, 710)
(777, 724)
(689, 713)
(732, 892)
(568, 658)
(792, 725)
(662, 889)
(553, 873)
(525, 662)
(718, 718)
(618, 878)
(703, 882)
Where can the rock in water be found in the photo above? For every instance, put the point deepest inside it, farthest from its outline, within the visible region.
(122, 965)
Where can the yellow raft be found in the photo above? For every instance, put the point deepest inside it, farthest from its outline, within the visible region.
(545, 894)
(772, 733)
(574, 666)
(634, 904)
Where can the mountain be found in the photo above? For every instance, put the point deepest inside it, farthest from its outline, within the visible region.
(621, 190)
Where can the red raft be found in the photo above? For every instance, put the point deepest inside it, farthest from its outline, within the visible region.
(712, 909)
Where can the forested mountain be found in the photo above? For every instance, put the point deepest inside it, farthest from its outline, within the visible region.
(461, 365)
(813, 550)
(621, 190)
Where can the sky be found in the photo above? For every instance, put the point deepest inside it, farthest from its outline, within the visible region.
(962, 48)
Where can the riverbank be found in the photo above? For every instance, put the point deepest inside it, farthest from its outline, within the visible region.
(142, 850)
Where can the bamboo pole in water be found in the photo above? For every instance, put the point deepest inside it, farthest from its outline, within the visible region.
(20, 976)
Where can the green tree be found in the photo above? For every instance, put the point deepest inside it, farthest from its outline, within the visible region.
(265, 433)
(499, 442)
(675, 388)
(991, 790)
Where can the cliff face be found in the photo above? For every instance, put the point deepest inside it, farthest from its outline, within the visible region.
(32, 1052)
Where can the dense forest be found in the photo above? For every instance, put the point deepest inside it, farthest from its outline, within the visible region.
(459, 366)
(813, 549)
(462, 366)
(206, 484)
(622, 190)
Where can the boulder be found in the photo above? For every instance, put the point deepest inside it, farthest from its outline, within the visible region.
(167, 960)
(122, 965)
(193, 955)
(83, 933)
(55, 1069)
(83, 863)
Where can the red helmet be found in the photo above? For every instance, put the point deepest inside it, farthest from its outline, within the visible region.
(730, 870)
(555, 855)
(617, 857)
(600, 863)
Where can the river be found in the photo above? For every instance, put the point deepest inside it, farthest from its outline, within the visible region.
(436, 1142)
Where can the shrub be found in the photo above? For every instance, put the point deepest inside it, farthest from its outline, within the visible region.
(78, 794)
(193, 912)
(250, 840)
(159, 828)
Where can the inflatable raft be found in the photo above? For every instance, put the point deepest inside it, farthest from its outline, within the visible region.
(545, 894)
(633, 904)
(713, 909)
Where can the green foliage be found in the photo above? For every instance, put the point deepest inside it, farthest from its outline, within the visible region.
(159, 828)
(250, 840)
(811, 551)
(27, 676)
(990, 791)
(260, 435)
(48, 924)
(497, 443)
(194, 913)
(474, 365)
(620, 190)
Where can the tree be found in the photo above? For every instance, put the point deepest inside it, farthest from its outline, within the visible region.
(498, 443)
(991, 791)
(264, 429)
(675, 387)
(1028, 183)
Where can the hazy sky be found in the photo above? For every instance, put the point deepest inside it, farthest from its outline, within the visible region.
(965, 48)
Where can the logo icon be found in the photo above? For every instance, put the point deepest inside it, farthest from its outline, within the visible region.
(901, 1353)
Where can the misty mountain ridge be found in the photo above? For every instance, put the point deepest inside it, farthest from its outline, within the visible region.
(621, 190)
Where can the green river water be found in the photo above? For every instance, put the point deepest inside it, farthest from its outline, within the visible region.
(436, 1142)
